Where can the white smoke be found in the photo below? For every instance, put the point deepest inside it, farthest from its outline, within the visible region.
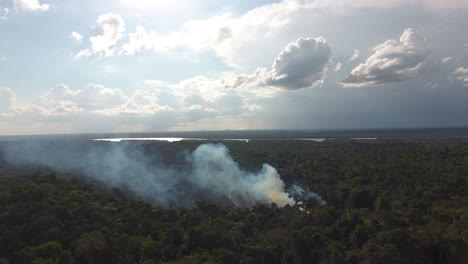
(298, 191)
(209, 172)
(215, 170)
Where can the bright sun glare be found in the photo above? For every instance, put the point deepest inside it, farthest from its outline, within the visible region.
(156, 4)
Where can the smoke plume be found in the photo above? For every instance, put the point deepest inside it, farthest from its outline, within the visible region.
(207, 173)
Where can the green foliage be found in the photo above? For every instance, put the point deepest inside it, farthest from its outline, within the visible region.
(387, 202)
(50, 249)
(383, 202)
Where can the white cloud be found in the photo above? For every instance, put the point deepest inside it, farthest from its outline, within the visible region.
(392, 61)
(142, 102)
(338, 67)
(435, 5)
(76, 36)
(140, 39)
(2, 57)
(226, 34)
(31, 5)
(197, 34)
(446, 60)
(4, 13)
(237, 39)
(112, 27)
(355, 55)
(461, 74)
(301, 64)
(156, 106)
(231, 36)
(7, 100)
(89, 98)
(432, 85)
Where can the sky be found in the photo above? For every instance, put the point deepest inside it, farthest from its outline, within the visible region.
(82, 66)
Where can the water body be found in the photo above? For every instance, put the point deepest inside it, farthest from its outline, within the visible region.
(311, 139)
(8, 140)
(246, 135)
(174, 139)
(166, 139)
(140, 139)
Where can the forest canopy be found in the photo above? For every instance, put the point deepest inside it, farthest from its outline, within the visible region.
(387, 201)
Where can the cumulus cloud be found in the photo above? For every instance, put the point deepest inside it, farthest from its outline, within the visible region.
(140, 39)
(446, 60)
(247, 34)
(301, 64)
(461, 75)
(2, 57)
(157, 106)
(62, 102)
(355, 55)
(31, 5)
(431, 85)
(392, 61)
(226, 34)
(76, 36)
(196, 34)
(338, 66)
(112, 27)
(7, 100)
(4, 13)
(142, 102)
(434, 5)
(91, 97)
(23, 5)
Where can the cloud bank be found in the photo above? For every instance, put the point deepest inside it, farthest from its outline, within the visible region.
(90, 97)
(259, 59)
(156, 106)
(230, 35)
(300, 64)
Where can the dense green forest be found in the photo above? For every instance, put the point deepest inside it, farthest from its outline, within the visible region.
(388, 201)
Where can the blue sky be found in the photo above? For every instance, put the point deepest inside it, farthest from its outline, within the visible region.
(141, 65)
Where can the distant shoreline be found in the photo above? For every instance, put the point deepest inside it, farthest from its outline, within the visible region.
(369, 134)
